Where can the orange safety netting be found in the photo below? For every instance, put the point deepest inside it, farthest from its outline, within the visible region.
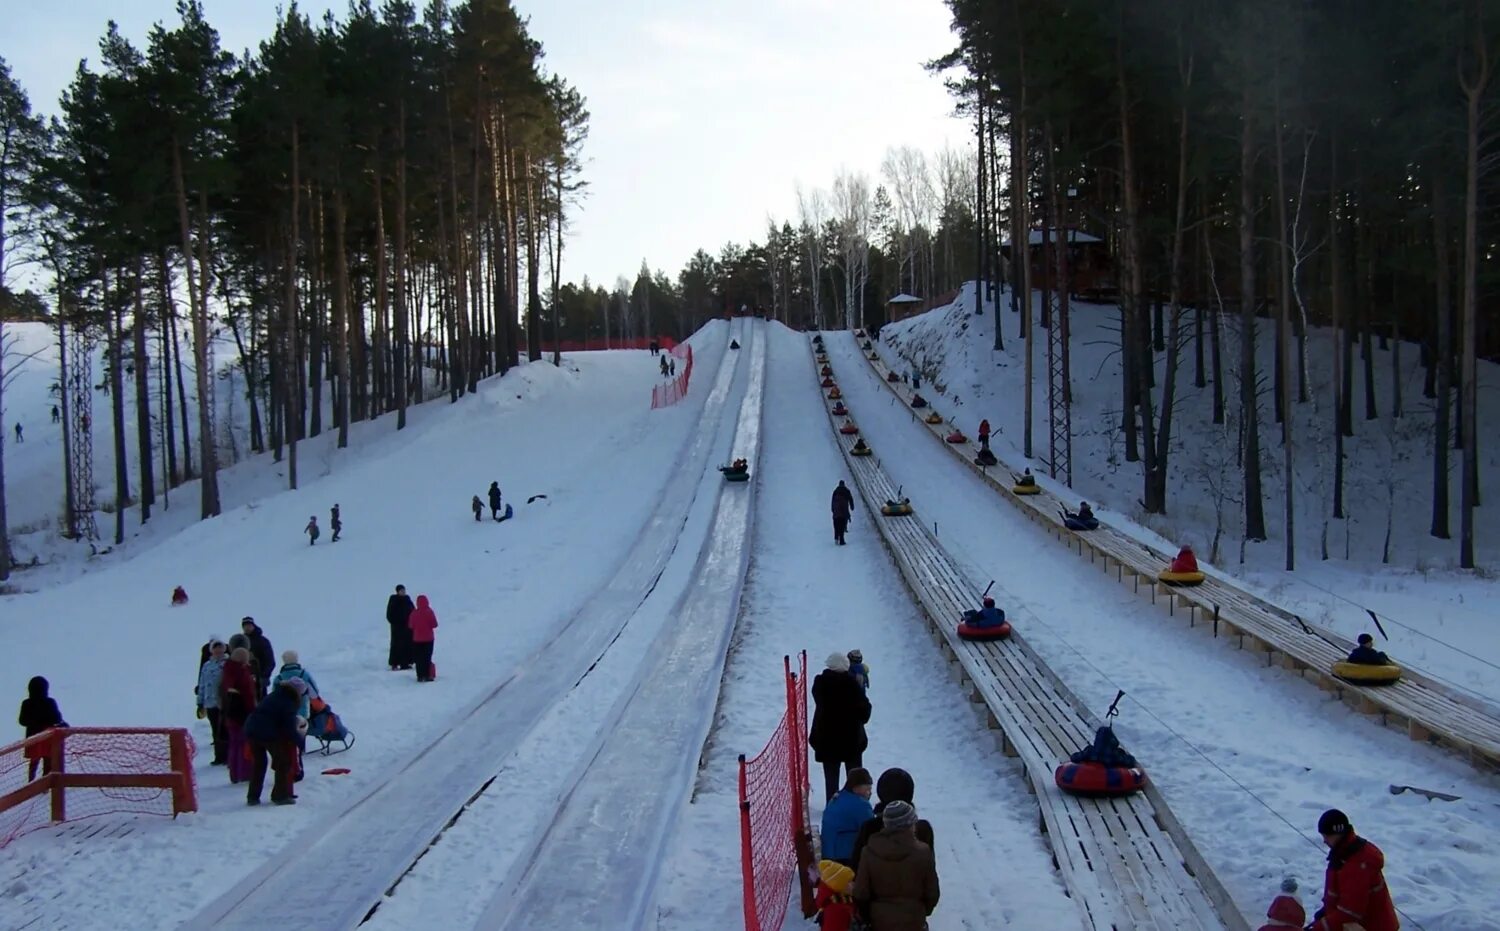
(773, 812)
(669, 393)
(72, 773)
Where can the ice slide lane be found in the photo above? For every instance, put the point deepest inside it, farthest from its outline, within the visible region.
(1126, 861)
(1428, 710)
(598, 863)
(335, 873)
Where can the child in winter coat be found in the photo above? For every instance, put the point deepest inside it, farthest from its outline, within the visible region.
(477, 506)
(311, 530)
(1366, 653)
(335, 523)
(834, 903)
(210, 674)
(1285, 910)
(291, 668)
(858, 669)
(39, 713)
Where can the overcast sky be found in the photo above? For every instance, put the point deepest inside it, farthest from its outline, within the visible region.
(705, 113)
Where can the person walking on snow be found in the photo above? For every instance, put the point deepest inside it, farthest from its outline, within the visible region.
(896, 886)
(664, 366)
(56, 417)
(335, 523)
(478, 507)
(1354, 889)
(894, 785)
(841, 712)
(423, 623)
(843, 506)
(237, 698)
(845, 814)
(398, 609)
(672, 367)
(210, 674)
(984, 434)
(311, 530)
(19, 437)
(495, 500)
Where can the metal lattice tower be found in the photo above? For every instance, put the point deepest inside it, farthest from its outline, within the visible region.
(80, 390)
(1059, 388)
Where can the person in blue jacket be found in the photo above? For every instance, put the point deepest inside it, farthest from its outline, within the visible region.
(292, 668)
(845, 814)
(987, 616)
(1366, 654)
(272, 732)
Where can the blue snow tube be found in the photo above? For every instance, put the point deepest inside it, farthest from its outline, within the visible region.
(509, 513)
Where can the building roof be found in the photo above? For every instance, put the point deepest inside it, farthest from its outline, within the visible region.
(904, 299)
(1034, 238)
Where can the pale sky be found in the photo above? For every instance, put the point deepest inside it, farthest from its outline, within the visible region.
(705, 113)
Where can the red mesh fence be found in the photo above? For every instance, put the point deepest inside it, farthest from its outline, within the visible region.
(669, 393)
(72, 773)
(773, 814)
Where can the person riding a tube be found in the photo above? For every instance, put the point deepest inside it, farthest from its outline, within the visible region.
(918, 401)
(1185, 562)
(859, 445)
(1026, 479)
(1366, 655)
(987, 616)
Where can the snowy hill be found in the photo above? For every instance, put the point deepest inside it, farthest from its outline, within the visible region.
(1434, 614)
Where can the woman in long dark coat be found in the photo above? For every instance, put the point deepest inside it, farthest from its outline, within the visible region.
(841, 712)
(397, 611)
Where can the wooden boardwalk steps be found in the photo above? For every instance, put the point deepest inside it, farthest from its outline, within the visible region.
(1426, 709)
(1125, 861)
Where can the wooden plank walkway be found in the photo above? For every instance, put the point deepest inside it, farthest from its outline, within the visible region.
(1428, 710)
(1126, 862)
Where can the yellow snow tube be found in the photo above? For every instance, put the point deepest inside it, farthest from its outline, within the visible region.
(1366, 673)
(1026, 489)
(1181, 578)
(896, 508)
(860, 451)
(934, 417)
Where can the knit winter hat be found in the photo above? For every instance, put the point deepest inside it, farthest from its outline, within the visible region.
(989, 602)
(895, 784)
(856, 657)
(859, 776)
(898, 815)
(297, 684)
(836, 876)
(1333, 821)
(1365, 639)
(838, 662)
(289, 657)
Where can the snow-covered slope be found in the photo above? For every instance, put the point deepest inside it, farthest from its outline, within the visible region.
(1437, 618)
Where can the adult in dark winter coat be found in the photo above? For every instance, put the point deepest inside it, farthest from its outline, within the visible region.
(894, 785)
(39, 714)
(272, 733)
(843, 506)
(264, 653)
(838, 725)
(237, 699)
(896, 884)
(1354, 890)
(423, 623)
(495, 500)
(398, 609)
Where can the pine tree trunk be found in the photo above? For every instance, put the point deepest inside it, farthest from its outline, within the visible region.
(1442, 358)
(207, 457)
(1255, 518)
(1341, 359)
(318, 286)
(142, 367)
(340, 335)
(290, 382)
(1469, 492)
(169, 430)
(402, 348)
(1284, 343)
(1133, 293)
(116, 331)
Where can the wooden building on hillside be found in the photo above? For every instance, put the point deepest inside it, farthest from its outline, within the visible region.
(1091, 273)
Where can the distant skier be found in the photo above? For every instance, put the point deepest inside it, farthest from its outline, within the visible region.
(478, 507)
(311, 530)
(495, 500)
(843, 506)
(336, 524)
(56, 417)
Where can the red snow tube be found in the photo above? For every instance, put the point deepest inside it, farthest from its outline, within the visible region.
(969, 632)
(1096, 779)
(826, 371)
(839, 409)
(848, 429)
(892, 376)
(957, 436)
(827, 381)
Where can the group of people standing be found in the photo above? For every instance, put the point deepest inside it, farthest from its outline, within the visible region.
(413, 634)
(877, 860)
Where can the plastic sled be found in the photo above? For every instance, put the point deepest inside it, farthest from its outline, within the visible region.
(507, 514)
(732, 474)
(1026, 489)
(827, 381)
(919, 403)
(1074, 522)
(934, 418)
(866, 346)
(328, 729)
(827, 370)
(1367, 673)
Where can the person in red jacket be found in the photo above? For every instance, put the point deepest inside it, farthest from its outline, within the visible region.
(1285, 910)
(237, 697)
(833, 901)
(1185, 561)
(423, 623)
(1354, 890)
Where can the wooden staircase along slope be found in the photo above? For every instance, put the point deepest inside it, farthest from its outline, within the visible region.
(1126, 862)
(1428, 710)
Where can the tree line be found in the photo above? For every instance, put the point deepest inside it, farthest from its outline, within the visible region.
(354, 203)
(1257, 164)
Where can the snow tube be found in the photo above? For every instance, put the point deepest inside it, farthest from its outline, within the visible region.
(934, 417)
(1026, 489)
(896, 508)
(919, 402)
(860, 451)
(866, 346)
(509, 513)
(1181, 578)
(1096, 779)
(731, 474)
(892, 376)
(874, 357)
(848, 429)
(839, 409)
(834, 394)
(827, 370)
(957, 436)
(1367, 673)
(986, 458)
(967, 631)
(1073, 523)
(827, 381)
(822, 357)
